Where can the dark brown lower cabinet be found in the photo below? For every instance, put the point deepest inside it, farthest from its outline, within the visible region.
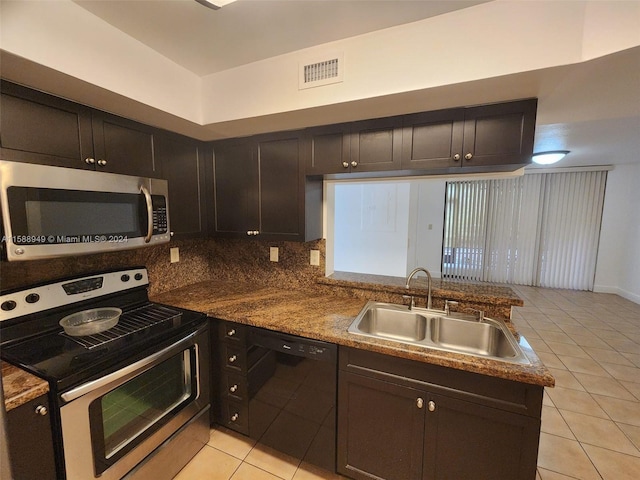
(380, 430)
(31, 441)
(395, 425)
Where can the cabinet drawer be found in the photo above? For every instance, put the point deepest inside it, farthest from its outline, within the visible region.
(233, 358)
(232, 332)
(234, 385)
(235, 415)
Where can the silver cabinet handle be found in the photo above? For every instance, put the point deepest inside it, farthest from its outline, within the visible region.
(233, 358)
(468, 156)
(147, 200)
(419, 402)
(234, 417)
(345, 164)
(431, 406)
(102, 162)
(41, 410)
(354, 164)
(253, 232)
(233, 388)
(231, 332)
(89, 161)
(456, 157)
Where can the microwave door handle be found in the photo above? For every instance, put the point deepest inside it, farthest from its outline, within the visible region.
(147, 199)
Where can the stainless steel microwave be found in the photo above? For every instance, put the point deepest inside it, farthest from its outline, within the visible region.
(53, 211)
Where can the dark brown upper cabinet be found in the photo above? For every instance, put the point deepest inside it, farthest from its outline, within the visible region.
(122, 146)
(261, 192)
(183, 161)
(366, 146)
(40, 128)
(496, 135)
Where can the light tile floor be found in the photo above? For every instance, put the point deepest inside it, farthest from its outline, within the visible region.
(590, 420)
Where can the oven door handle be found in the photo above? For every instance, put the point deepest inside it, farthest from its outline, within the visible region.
(197, 348)
(149, 204)
(123, 372)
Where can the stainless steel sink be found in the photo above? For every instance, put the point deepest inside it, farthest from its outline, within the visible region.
(431, 328)
(402, 325)
(485, 339)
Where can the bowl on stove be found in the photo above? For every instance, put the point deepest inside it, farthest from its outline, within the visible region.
(90, 322)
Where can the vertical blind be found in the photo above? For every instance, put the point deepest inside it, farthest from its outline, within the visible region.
(540, 229)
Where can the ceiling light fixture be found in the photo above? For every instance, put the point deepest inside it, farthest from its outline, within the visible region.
(548, 158)
(215, 4)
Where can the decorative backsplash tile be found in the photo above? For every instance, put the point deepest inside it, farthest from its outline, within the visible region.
(200, 259)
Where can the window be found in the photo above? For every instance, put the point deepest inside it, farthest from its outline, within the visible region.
(541, 229)
(385, 227)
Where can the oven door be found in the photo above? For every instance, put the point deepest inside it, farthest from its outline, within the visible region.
(111, 424)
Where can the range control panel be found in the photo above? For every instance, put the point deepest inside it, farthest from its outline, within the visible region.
(37, 299)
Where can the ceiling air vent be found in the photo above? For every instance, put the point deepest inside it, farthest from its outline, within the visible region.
(323, 72)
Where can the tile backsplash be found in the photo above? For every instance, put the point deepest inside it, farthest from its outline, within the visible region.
(200, 259)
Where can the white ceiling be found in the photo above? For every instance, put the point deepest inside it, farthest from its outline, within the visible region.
(590, 108)
(206, 41)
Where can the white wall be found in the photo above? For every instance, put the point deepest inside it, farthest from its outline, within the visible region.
(67, 38)
(618, 265)
(386, 227)
(487, 41)
(371, 227)
(457, 47)
(428, 225)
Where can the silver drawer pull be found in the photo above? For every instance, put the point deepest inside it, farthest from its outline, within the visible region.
(231, 332)
(233, 389)
(232, 358)
(432, 406)
(41, 410)
(234, 417)
(419, 402)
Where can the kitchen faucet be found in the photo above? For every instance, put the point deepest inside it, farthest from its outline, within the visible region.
(411, 275)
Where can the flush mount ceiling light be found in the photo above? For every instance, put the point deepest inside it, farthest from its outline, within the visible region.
(215, 4)
(548, 158)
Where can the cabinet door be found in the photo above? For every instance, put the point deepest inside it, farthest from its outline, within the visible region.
(39, 128)
(380, 429)
(329, 150)
(500, 134)
(122, 146)
(31, 441)
(376, 145)
(468, 440)
(432, 140)
(236, 188)
(281, 198)
(182, 164)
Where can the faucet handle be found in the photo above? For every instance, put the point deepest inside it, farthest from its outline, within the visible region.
(479, 314)
(447, 306)
(412, 301)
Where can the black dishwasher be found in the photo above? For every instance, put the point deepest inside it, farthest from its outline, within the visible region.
(293, 409)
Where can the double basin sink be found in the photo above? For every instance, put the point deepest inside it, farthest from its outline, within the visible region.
(434, 329)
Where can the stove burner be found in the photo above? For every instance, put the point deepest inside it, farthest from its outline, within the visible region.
(130, 322)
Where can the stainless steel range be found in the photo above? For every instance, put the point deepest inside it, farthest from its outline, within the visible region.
(131, 401)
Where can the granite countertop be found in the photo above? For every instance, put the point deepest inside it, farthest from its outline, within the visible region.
(327, 317)
(449, 289)
(20, 387)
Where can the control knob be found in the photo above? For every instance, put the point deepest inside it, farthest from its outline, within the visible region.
(32, 298)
